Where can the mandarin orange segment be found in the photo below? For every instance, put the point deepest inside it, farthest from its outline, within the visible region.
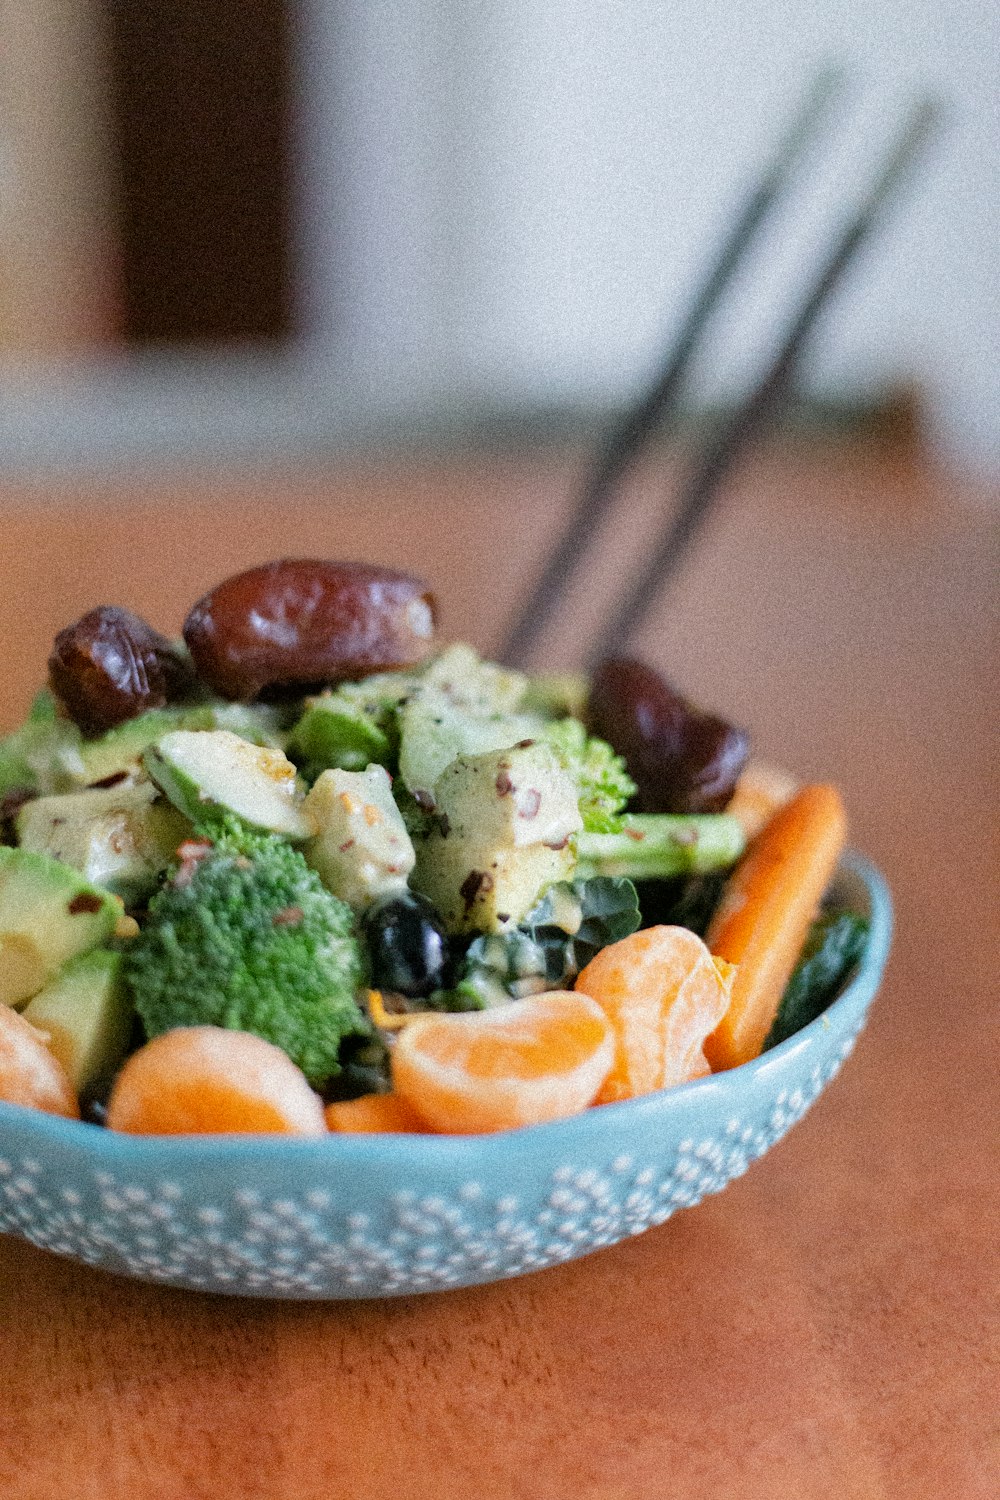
(534, 1060)
(663, 994)
(204, 1080)
(380, 1114)
(29, 1073)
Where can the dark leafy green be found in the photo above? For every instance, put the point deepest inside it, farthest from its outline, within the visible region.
(689, 901)
(835, 943)
(558, 938)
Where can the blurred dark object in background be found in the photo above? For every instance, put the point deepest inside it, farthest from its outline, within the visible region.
(201, 105)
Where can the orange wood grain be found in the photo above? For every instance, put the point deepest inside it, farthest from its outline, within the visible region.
(828, 1325)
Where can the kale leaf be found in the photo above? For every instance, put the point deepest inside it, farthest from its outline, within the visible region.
(558, 938)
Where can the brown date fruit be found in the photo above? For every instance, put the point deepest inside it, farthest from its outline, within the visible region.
(301, 624)
(682, 760)
(111, 666)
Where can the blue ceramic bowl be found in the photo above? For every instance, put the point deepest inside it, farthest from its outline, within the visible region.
(372, 1216)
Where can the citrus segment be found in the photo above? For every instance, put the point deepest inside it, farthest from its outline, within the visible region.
(534, 1060)
(203, 1080)
(663, 994)
(29, 1073)
(381, 1114)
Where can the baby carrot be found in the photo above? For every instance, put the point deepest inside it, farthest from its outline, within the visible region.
(766, 908)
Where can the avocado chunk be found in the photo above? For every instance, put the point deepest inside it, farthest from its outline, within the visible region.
(558, 695)
(504, 825)
(16, 768)
(121, 837)
(361, 850)
(48, 914)
(212, 774)
(353, 725)
(335, 732)
(122, 749)
(87, 1013)
(49, 754)
(460, 706)
(34, 754)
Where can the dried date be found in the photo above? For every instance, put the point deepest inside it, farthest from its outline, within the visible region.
(301, 623)
(682, 760)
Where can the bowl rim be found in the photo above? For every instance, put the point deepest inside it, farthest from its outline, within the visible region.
(86, 1138)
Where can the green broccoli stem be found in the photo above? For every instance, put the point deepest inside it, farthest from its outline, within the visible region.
(656, 846)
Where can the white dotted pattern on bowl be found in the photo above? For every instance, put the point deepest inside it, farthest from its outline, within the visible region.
(306, 1246)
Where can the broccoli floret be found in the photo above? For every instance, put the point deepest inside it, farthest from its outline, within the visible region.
(603, 783)
(245, 936)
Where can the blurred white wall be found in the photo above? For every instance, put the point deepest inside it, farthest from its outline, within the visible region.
(518, 196)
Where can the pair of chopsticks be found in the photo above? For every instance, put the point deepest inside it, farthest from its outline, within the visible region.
(730, 440)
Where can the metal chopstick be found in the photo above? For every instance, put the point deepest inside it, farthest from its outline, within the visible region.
(637, 425)
(732, 439)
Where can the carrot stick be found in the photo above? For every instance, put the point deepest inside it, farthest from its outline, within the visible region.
(766, 908)
(381, 1114)
(760, 791)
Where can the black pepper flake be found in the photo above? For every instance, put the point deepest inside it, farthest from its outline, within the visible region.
(115, 779)
(424, 800)
(444, 823)
(476, 883)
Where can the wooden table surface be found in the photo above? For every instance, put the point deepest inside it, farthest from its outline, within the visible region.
(828, 1325)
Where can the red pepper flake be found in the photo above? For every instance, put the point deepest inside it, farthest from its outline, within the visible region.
(524, 744)
(504, 785)
(636, 834)
(558, 845)
(344, 847)
(288, 916)
(84, 904)
(190, 854)
(530, 803)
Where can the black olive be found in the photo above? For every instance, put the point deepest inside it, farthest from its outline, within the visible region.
(408, 947)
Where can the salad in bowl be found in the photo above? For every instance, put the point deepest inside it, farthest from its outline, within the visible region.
(310, 874)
